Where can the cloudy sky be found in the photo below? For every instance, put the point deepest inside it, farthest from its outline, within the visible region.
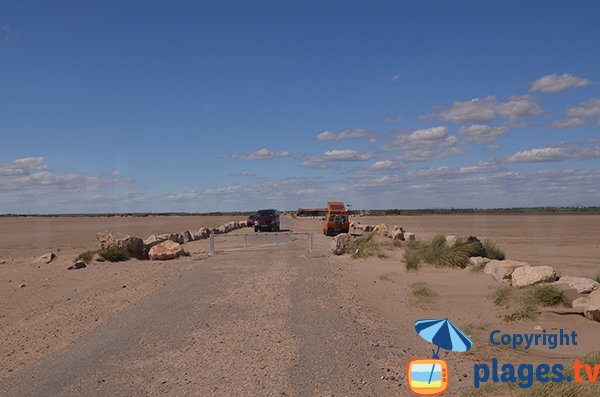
(204, 106)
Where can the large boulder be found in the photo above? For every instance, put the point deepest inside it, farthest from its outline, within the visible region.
(452, 240)
(165, 251)
(46, 258)
(590, 305)
(583, 285)
(409, 236)
(397, 233)
(341, 244)
(477, 262)
(133, 245)
(187, 236)
(503, 270)
(531, 275)
(381, 229)
(203, 233)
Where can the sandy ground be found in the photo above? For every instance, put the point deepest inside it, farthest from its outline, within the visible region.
(275, 319)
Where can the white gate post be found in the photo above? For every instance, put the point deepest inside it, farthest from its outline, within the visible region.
(211, 244)
(245, 242)
(310, 242)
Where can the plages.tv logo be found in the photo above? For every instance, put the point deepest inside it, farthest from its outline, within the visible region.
(429, 376)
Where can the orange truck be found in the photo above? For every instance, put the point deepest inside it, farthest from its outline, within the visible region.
(337, 219)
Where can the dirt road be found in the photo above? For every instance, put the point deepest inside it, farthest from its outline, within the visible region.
(273, 320)
(239, 323)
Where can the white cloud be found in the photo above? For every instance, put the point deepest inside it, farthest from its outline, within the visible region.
(424, 144)
(395, 78)
(185, 196)
(345, 155)
(262, 154)
(556, 83)
(568, 123)
(487, 109)
(345, 134)
(321, 161)
(539, 155)
(481, 133)
(115, 173)
(589, 108)
(248, 173)
(555, 153)
(382, 165)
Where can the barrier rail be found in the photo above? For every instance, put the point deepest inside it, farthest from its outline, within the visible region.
(309, 237)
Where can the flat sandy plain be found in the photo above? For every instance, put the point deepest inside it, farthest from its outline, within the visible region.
(269, 320)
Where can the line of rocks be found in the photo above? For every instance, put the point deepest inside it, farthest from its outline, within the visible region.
(157, 246)
(521, 274)
(395, 233)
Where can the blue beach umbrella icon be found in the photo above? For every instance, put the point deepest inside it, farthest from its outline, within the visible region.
(443, 334)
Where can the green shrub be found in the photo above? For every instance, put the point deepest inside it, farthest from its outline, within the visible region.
(545, 295)
(528, 311)
(422, 290)
(502, 296)
(491, 251)
(85, 257)
(596, 278)
(438, 253)
(115, 254)
(365, 246)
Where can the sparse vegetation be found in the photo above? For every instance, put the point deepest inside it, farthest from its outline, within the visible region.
(85, 257)
(387, 276)
(437, 253)
(545, 295)
(492, 251)
(115, 254)
(596, 278)
(421, 289)
(184, 253)
(523, 303)
(502, 296)
(365, 246)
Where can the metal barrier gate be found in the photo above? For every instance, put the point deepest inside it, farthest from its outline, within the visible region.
(247, 236)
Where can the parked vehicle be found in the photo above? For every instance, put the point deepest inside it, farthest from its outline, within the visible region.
(337, 220)
(251, 220)
(267, 220)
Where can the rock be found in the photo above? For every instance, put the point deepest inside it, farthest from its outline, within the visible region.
(165, 250)
(409, 236)
(502, 270)
(474, 241)
(478, 261)
(203, 232)
(187, 236)
(76, 265)
(134, 245)
(530, 275)
(381, 229)
(22, 285)
(368, 228)
(590, 305)
(583, 285)
(46, 258)
(2, 261)
(341, 243)
(152, 240)
(397, 233)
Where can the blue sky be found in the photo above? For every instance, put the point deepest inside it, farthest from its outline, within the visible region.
(204, 106)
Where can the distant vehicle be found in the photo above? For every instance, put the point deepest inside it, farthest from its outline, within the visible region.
(337, 220)
(267, 220)
(251, 220)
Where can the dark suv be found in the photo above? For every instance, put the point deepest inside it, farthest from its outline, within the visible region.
(266, 220)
